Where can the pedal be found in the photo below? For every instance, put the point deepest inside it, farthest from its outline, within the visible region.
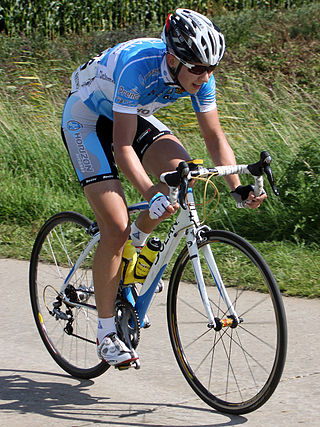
(123, 366)
(133, 364)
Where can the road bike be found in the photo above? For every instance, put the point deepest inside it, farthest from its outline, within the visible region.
(225, 314)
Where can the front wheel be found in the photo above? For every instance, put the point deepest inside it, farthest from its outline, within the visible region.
(68, 332)
(237, 368)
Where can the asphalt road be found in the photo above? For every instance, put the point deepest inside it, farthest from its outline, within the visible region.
(34, 391)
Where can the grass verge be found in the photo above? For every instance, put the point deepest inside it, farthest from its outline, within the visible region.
(268, 98)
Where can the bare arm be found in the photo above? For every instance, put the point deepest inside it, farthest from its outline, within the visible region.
(220, 150)
(217, 144)
(124, 130)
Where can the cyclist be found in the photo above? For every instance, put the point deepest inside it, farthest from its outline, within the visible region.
(108, 121)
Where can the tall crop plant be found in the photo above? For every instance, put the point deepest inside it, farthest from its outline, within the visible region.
(52, 18)
(269, 4)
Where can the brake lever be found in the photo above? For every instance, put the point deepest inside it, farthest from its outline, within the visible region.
(268, 171)
(183, 192)
(183, 170)
(263, 166)
(266, 160)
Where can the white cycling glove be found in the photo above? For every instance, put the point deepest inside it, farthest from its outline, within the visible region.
(158, 205)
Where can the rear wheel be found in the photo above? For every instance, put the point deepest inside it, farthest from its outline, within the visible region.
(69, 333)
(237, 368)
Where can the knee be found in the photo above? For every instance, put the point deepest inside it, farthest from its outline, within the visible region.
(114, 237)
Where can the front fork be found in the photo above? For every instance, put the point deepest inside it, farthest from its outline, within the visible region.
(193, 239)
(194, 236)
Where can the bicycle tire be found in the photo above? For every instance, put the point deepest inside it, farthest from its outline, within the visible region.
(71, 343)
(234, 370)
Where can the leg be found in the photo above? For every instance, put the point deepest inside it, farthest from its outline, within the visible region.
(108, 204)
(163, 155)
(88, 139)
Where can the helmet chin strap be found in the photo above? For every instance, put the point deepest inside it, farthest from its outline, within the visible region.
(175, 72)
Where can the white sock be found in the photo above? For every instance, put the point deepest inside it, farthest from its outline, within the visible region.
(106, 326)
(137, 236)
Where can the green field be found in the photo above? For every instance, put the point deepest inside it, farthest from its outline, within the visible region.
(268, 98)
(54, 18)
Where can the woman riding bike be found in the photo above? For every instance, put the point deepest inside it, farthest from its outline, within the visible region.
(108, 123)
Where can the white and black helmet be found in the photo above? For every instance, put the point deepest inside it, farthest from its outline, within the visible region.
(192, 37)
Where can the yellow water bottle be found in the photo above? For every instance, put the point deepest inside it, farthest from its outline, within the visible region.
(146, 258)
(129, 259)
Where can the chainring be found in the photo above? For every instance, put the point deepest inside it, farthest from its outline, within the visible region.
(127, 323)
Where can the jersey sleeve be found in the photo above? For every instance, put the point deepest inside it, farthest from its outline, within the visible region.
(205, 99)
(128, 88)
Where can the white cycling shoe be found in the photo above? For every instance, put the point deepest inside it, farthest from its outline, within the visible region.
(114, 351)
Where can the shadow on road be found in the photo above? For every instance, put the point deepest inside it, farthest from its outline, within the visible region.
(64, 400)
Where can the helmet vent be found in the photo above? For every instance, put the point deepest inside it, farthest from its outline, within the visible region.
(193, 37)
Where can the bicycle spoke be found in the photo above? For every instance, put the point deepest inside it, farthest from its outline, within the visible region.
(230, 368)
(71, 339)
(272, 347)
(241, 363)
(255, 306)
(197, 339)
(193, 308)
(250, 355)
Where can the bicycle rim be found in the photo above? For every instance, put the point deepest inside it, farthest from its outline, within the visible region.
(71, 342)
(234, 370)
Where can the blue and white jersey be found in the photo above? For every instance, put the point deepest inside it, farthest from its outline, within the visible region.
(133, 78)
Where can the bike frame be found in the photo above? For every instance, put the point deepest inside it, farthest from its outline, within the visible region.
(188, 224)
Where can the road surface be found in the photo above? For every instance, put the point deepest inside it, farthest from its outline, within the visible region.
(35, 392)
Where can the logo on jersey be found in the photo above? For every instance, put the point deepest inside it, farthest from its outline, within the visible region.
(153, 72)
(73, 125)
(131, 94)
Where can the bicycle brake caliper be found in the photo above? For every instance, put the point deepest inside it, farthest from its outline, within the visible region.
(201, 234)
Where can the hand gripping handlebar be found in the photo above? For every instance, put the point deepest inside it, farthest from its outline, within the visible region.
(177, 180)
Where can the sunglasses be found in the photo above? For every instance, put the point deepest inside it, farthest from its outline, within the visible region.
(199, 69)
(196, 69)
